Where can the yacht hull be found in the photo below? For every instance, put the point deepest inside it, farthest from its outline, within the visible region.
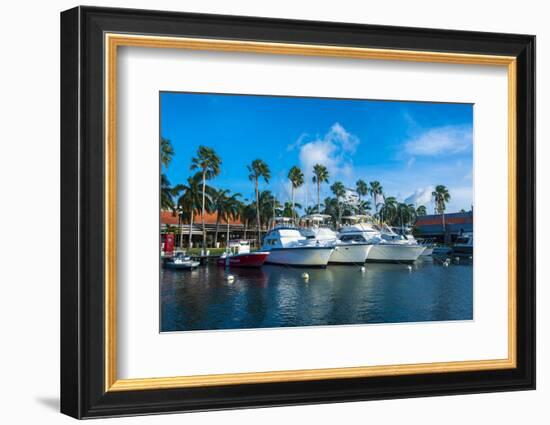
(252, 259)
(350, 253)
(463, 249)
(186, 265)
(428, 251)
(300, 256)
(395, 253)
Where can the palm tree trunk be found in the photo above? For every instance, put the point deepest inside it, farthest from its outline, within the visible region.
(318, 197)
(217, 228)
(227, 238)
(245, 228)
(181, 230)
(293, 215)
(203, 207)
(258, 214)
(339, 210)
(191, 228)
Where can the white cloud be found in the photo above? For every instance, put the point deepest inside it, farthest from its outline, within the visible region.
(334, 151)
(441, 141)
(297, 143)
(461, 197)
(421, 196)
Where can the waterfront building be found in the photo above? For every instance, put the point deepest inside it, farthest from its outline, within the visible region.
(170, 223)
(446, 228)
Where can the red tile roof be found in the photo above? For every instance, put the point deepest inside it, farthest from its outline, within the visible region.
(167, 217)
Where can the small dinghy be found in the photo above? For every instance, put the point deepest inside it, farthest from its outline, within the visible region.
(181, 262)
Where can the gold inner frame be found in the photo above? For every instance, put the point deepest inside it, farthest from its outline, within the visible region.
(113, 41)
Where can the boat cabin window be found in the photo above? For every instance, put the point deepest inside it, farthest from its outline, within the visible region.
(352, 238)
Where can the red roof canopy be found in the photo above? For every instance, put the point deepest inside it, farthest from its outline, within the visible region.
(169, 218)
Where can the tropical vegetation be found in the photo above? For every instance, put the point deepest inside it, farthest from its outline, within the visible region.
(296, 178)
(197, 196)
(320, 176)
(258, 170)
(441, 196)
(208, 163)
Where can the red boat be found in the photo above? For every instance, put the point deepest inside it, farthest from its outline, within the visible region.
(250, 259)
(239, 255)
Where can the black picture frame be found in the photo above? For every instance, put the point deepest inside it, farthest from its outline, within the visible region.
(82, 218)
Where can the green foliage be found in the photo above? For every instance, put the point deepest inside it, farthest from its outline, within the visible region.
(166, 152)
(320, 175)
(362, 188)
(207, 162)
(441, 196)
(421, 210)
(258, 169)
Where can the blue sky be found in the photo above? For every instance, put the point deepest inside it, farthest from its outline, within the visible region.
(408, 146)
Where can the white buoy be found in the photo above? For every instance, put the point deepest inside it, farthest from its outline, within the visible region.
(447, 262)
(230, 278)
(363, 269)
(305, 276)
(471, 257)
(410, 267)
(457, 259)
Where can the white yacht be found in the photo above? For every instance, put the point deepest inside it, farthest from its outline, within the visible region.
(346, 251)
(388, 246)
(405, 233)
(287, 246)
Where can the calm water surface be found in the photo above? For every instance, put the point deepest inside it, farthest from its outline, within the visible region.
(277, 296)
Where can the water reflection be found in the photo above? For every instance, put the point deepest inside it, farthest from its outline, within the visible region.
(276, 296)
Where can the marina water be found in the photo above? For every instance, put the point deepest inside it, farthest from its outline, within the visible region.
(279, 296)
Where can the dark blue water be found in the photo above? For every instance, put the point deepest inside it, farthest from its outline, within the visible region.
(277, 296)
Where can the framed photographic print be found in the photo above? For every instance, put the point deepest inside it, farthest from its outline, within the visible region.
(261, 212)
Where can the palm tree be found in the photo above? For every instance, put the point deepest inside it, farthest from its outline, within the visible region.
(268, 206)
(289, 209)
(231, 210)
(248, 215)
(375, 188)
(188, 203)
(363, 207)
(167, 193)
(421, 210)
(258, 169)
(296, 178)
(405, 214)
(208, 162)
(389, 209)
(218, 205)
(311, 210)
(339, 190)
(441, 196)
(331, 208)
(320, 175)
(166, 152)
(362, 189)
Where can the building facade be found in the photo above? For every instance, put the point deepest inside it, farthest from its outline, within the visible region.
(216, 233)
(445, 227)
